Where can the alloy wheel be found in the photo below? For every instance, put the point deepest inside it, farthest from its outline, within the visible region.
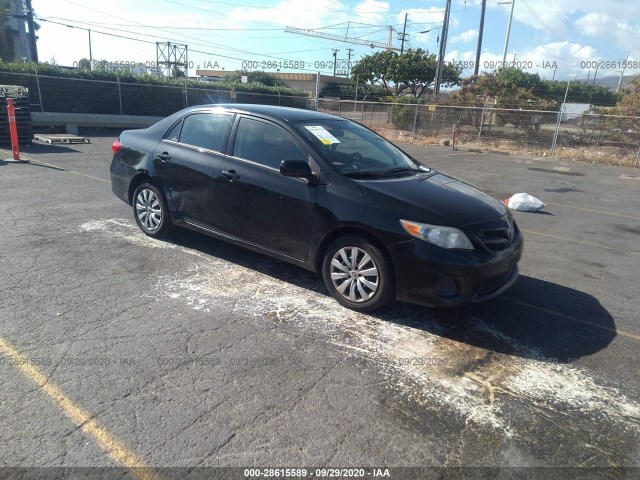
(148, 209)
(354, 274)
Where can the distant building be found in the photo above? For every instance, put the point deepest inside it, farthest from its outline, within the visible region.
(307, 82)
(573, 110)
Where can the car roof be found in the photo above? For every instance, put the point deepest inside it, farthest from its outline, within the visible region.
(272, 112)
(286, 114)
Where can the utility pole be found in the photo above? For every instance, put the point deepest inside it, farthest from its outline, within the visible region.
(335, 60)
(624, 67)
(563, 109)
(443, 49)
(404, 33)
(90, 54)
(33, 47)
(349, 50)
(506, 40)
(481, 30)
(593, 84)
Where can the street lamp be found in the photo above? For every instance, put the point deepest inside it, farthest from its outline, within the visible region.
(506, 40)
(89, 31)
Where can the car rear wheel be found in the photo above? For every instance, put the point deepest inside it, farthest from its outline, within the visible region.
(358, 274)
(150, 211)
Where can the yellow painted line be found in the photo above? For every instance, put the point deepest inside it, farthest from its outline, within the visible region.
(566, 239)
(596, 211)
(40, 162)
(574, 319)
(110, 444)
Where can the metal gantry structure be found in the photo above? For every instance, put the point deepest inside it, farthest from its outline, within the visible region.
(171, 56)
(344, 38)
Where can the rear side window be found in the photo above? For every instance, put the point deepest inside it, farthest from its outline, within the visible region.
(206, 130)
(265, 144)
(174, 133)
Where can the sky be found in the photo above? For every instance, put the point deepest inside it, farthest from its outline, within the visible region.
(556, 39)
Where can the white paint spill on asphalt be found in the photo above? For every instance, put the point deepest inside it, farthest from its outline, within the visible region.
(474, 382)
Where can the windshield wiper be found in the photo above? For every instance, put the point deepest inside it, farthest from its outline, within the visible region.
(360, 174)
(393, 170)
(381, 173)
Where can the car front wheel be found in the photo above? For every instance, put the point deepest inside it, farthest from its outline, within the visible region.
(150, 211)
(358, 274)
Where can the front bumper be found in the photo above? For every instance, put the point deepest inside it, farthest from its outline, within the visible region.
(435, 277)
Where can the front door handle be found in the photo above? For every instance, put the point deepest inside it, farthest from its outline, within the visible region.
(164, 156)
(231, 174)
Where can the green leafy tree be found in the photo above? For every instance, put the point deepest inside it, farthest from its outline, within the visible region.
(514, 78)
(84, 64)
(629, 103)
(505, 88)
(579, 92)
(176, 72)
(414, 70)
(375, 69)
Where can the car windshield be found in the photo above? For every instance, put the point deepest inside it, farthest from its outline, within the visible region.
(355, 151)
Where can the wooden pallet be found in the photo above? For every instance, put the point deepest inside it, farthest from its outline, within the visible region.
(61, 138)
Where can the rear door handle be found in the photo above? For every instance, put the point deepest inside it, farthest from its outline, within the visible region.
(164, 156)
(231, 174)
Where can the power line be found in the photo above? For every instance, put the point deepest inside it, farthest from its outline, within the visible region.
(266, 55)
(565, 19)
(154, 43)
(536, 38)
(466, 16)
(181, 37)
(541, 21)
(269, 7)
(215, 29)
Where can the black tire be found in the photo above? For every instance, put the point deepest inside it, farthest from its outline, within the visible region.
(355, 281)
(157, 221)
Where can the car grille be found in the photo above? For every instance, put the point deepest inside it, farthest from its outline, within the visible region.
(493, 284)
(497, 240)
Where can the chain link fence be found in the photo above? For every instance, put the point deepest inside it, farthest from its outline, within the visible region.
(586, 136)
(592, 137)
(74, 95)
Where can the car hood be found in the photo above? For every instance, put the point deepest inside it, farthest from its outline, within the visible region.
(437, 199)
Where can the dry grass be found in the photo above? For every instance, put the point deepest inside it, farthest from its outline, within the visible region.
(592, 154)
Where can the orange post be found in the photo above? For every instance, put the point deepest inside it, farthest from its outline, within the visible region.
(13, 131)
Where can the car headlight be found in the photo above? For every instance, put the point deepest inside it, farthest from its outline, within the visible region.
(445, 237)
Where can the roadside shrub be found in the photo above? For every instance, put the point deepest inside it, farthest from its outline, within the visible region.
(403, 111)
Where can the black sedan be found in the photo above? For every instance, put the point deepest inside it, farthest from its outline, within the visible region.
(324, 193)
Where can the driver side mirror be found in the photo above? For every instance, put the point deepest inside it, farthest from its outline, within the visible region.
(297, 169)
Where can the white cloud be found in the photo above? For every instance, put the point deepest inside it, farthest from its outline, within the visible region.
(295, 13)
(370, 11)
(561, 59)
(615, 21)
(617, 29)
(465, 37)
(427, 17)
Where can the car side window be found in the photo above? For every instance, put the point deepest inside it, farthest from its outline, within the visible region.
(206, 130)
(265, 144)
(174, 133)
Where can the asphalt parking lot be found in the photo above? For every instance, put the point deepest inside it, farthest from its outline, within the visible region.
(121, 350)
